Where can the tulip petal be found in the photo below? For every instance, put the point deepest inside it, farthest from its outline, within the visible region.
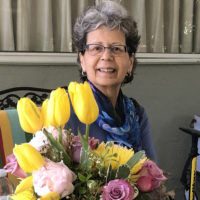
(30, 117)
(44, 113)
(83, 102)
(58, 109)
(24, 195)
(28, 158)
(22, 119)
(25, 184)
(62, 111)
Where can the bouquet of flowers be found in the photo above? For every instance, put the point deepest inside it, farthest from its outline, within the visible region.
(56, 164)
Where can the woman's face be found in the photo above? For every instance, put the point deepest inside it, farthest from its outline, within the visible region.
(106, 70)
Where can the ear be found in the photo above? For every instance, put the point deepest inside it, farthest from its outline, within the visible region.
(131, 61)
(82, 62)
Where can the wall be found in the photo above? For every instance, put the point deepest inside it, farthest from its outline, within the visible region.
(170, 94)
(171, 97)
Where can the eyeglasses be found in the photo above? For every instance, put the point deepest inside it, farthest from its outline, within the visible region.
(98, 49)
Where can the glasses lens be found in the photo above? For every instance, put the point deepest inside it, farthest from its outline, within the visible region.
(118, 50)
(95, 49)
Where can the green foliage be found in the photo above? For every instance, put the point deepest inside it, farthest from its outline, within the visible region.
(135, 159)
(58, 146)
(123, 172)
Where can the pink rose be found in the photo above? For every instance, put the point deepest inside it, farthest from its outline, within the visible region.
(13, 167)
(150, 177)
(117, 189)
(53, 177)
(76, 147)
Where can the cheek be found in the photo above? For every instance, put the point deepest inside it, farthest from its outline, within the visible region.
(90, 65)
(125, 67)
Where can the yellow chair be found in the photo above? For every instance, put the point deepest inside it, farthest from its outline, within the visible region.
(10, 134)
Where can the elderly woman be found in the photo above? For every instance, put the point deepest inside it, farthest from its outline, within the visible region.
(107, 40)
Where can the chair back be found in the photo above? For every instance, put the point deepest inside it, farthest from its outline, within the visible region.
(10, 129)
(9, 97)
(10, 134)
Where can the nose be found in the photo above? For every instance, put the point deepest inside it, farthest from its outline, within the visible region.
(107, 54)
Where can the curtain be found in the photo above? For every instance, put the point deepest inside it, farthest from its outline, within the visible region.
(165, 26)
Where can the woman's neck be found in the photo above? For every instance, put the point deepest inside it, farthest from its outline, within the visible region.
(111, 93)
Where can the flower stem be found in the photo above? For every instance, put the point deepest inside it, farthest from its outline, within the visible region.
(60, 134)
(87, 132)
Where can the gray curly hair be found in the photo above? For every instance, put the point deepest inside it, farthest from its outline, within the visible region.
(113, 16)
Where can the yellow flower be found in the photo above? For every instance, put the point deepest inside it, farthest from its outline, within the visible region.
(51, 196)
(25, 184)
(28, 158)
(58, 108)
(24, 195)
(134, 171)
(30, 116)
(44, 113)
(123, 155)
(83, 102)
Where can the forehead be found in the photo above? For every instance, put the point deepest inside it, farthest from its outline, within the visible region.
(103, 35)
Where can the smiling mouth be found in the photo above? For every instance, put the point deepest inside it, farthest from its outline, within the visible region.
(106, 70)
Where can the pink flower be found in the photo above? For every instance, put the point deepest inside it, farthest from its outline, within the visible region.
(76, 147)
(55, 134)
(53, 177)
(117, 189)
(13, 167)
(41, 143)
(150, 177)
(93, 143)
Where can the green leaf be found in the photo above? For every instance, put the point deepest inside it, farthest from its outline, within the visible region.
(92, 184)
(112, 155)
(123, 172)
(58, 146)
(135, 159)
(82, 190)
(110, 174)
(89, 176)
(81, 177)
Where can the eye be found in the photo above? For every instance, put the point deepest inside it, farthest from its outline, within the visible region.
(97, 48)
(117, 49)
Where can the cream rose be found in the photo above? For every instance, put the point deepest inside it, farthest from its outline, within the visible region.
(53, 177)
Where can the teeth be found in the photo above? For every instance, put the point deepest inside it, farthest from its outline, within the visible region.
(106, 70)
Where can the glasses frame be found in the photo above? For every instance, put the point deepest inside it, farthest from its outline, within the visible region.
(104, 48)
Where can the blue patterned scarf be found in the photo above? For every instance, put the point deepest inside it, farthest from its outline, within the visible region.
(121, 124)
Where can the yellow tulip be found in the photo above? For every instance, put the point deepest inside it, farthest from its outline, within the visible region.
(28, 158)
(83, 102)
(30, 117)
(51, 196)
(44, 113)
(25, 184)
(24, 195)
(58, 109)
